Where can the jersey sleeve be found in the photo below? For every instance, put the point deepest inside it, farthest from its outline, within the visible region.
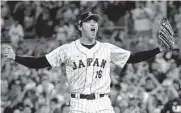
(57, 56)
(118, 55)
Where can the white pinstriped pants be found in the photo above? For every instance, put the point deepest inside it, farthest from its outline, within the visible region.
(100, 105)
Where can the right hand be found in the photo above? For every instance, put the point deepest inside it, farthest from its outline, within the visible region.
(8, 52)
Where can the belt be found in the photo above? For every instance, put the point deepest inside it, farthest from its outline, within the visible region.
(88, 97)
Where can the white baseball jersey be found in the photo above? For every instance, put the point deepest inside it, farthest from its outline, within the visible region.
(88, 70)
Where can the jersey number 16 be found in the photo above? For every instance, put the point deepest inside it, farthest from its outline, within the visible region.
(99, 74)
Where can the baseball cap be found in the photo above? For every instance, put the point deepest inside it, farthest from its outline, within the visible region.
(87, 15)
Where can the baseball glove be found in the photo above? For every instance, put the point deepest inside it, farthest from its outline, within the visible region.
(166, 34)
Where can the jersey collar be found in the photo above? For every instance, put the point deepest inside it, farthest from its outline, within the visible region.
(86, 50)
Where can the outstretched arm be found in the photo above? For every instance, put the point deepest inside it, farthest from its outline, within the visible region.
(166, 39)
(143, 55)
(31, 62)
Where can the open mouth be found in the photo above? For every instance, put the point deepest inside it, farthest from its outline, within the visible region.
(93, 29)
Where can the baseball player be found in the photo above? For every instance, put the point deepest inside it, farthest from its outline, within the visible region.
(87, 65)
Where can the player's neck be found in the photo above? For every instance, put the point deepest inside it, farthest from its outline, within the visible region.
(87, 41)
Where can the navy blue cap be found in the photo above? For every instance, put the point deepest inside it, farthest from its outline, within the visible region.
(87, 15)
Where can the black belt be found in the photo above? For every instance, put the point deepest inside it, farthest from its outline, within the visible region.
(88, 97)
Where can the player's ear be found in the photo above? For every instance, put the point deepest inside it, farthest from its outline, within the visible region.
(80, 27)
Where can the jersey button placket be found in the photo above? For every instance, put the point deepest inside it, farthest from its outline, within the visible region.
(89, 75)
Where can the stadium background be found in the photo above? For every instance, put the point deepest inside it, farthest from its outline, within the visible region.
(42, 26)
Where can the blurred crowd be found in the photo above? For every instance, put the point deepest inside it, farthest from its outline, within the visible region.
(35, 28)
